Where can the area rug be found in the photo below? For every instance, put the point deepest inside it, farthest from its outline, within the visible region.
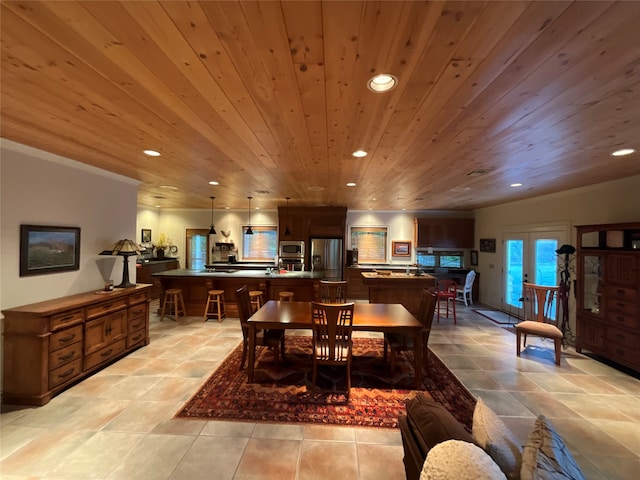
(284, 393)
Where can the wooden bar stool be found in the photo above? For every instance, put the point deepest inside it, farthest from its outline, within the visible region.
(256, 300)
(286, 296)
(215, 300)
(174, 300)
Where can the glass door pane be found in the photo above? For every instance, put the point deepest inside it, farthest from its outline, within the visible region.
(514, 268)
(197, 242)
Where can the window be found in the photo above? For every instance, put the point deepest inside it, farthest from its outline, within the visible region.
(262, 246)
(197, 243)
(371, 243)
(441, 259)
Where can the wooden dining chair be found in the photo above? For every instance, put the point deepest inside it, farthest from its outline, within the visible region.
(333, 291)
(273, 339)
(540, 310)
(397, 342)
(332, 324)
(446, 291)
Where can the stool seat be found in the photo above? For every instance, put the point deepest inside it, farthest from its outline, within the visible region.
(285, 296)
(174, 300)
(256, 300)
(215, 301)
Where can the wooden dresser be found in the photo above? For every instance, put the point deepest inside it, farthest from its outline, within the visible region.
(52, 344)
(608, 292)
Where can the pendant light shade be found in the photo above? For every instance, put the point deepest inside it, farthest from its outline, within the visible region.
(249, 231)
(212, 230)
(286, 220)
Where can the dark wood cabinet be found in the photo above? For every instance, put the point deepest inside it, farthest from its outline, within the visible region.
(608, 292)
(308, 222)
(52, 344)
(444, 232)
(145, 271)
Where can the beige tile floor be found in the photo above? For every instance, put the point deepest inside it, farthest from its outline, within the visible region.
(118, 423)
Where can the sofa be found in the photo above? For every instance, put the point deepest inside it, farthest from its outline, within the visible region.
(437, 447)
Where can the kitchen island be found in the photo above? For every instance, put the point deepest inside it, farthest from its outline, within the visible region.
(395, 287)
(196, 284)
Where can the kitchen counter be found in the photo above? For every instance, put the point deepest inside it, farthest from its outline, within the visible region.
(398, 287)
(196, 284)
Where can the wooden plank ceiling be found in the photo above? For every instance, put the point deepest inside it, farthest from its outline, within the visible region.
(269, 98)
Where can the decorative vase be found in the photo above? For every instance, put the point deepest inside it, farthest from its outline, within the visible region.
(160, 253)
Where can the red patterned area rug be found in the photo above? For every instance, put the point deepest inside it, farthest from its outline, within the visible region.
(285, 393)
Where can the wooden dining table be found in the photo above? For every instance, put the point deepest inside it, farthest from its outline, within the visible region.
(369, 317)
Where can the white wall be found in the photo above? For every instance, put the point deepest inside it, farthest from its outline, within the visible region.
(610, 202)
(40, 188)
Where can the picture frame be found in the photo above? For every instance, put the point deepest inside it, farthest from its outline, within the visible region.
(401, 248)
(48, 249)
(488, 245)
(473, 255)
(145, 237)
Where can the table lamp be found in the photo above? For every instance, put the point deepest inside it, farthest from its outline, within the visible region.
(125, 248)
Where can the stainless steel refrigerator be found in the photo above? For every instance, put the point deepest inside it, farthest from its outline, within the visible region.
(326, 257)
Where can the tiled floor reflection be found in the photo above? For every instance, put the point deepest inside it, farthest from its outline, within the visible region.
(118, 423)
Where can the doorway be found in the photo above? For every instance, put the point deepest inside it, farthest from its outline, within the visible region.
(529, 257)
(197, 243)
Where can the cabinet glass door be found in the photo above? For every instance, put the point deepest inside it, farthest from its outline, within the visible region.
(591, 283)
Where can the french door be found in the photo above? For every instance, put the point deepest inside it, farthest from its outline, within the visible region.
(197, 243)
(529, 257)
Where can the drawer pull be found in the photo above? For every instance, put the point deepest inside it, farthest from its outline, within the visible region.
(136, 338)
(67, 339)
(107, 353)
(136, 325)
(66, 374)
(107, 306)
(67, 356)
(67, 318)
(619, 318)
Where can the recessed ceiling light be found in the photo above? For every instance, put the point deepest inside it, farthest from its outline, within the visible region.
(382, 83)
(158, 206)
(623, 151)
(168, 187)
(351, 184)
(213, 182)
(151, 153)
(359, 154)
(515, 185)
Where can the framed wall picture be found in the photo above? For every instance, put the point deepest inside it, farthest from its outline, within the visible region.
(146, 236)
(401, 248)
(474, 258)
(488, 245)
(48, 249)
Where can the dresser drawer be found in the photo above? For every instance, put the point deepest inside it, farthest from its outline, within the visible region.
(622, 337)
(64, 338)
(628, 294)
(139, 310)
(137, 298)
(624, 307)
(136, 337)
(66, 319)
(622, 320)
(65, 355)
(624, 354)
(138, 323)
(104, 354)
(65, 373)
(106, 307)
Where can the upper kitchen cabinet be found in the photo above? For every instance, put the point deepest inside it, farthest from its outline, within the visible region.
(444, 232)
(306, 222)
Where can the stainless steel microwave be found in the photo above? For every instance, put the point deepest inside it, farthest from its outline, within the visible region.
(291, 249)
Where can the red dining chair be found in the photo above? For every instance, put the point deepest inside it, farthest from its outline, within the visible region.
(446, 290)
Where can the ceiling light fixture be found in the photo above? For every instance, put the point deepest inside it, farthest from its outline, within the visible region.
(623, 151)
(213, 182)
(351, 184)
(286, 221)
(359, 154)
(382, 83)
(515, 185)
(249, 230)
(151, 153)
(212, 230)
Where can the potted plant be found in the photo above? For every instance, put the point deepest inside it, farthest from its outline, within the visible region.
(163, 243)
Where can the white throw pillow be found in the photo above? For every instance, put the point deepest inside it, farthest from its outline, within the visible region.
(490, 432)
(457, 460)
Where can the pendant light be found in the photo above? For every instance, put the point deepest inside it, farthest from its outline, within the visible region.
(212, 230)
(286, 230)
(249, 231)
